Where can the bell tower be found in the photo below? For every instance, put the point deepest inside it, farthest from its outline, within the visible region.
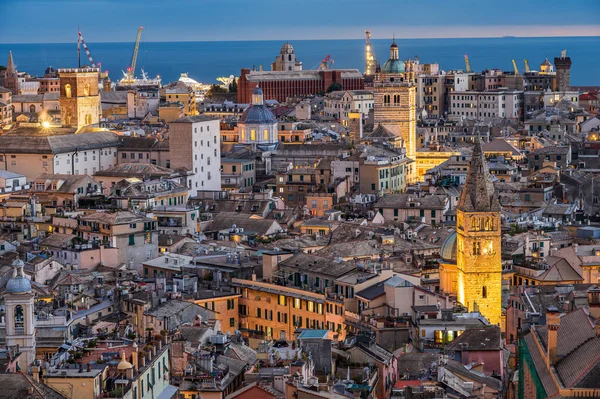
(20, 318)
(79, 97)
(478, 239)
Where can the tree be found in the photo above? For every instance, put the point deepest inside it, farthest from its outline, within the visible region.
(214, 89)
(2, 68)
(335, 86)
(233, 86)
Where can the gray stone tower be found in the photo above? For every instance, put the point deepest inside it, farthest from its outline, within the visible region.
(563, 72)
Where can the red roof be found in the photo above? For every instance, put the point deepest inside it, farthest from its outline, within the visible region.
(407, 383)
(587, 97)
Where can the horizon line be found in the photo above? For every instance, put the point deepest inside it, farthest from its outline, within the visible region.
(325, 39)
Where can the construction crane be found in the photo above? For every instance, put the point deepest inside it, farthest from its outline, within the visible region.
(81, 42)
(467, 64)
(371, 63)
(130, 74)
(526, 65)
(326, 63)
(515, 67)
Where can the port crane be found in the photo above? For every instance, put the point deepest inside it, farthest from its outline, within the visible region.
(371, 63)
(467, 64)
(130, 73)
(516, 69)
(81, 42)
(326, 63)
(526, 65)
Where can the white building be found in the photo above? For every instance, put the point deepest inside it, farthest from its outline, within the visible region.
(68, 154)
(195, 144)
(258, 125)
(482, 105)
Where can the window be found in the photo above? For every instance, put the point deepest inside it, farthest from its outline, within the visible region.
(258, 312)
(68, 90)
(484, 292)
(476, 248)
(131, 239)
(252, 135)
(282, 300)
(232, 322)
(297, 303)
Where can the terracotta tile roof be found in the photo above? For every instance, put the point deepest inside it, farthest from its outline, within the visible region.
(540, 366)
(575, 329)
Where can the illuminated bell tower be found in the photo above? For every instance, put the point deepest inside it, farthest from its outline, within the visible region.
(478, 239)
(79, 97)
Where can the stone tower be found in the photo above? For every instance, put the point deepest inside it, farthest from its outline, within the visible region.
(286, 61)
(478, 239)
(79, 97)
(10, 79)
(395, 105)
(20, 318)
(563, 72)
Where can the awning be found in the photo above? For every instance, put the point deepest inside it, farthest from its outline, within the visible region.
(169, 392)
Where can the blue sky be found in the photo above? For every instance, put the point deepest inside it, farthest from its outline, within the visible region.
(45, 21)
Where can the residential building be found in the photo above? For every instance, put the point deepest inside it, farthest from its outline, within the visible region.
(486, 105)
(195, 145)
(430, 209)
(6, 110)
(384, 170)
(144, 150)
(179, 93)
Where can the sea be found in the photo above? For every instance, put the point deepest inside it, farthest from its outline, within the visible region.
(206, 61)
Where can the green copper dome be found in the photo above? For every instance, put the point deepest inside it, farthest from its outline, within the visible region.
(393, 66)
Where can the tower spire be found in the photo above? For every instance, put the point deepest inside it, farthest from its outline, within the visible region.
(10, 66)
(478, 192)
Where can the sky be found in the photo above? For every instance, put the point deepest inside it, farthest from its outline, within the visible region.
(57, 21)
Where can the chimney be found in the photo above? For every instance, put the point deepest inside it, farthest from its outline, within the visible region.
(143, 361)
(89, 368)
(553, 322)
(35, 373)
(135, 359)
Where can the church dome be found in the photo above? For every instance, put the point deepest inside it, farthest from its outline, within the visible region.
(448, 251)
(287, 48)
(18, 284)
(124, 364)
(258, 115)
(393, 66)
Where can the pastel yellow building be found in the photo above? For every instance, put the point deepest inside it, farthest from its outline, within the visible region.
(478, 240)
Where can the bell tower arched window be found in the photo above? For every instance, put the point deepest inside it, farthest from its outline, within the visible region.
(68, 90)
(86, 89)
(19, 317)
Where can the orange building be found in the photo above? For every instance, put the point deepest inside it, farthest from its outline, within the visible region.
(224, 304)
(277, 311)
